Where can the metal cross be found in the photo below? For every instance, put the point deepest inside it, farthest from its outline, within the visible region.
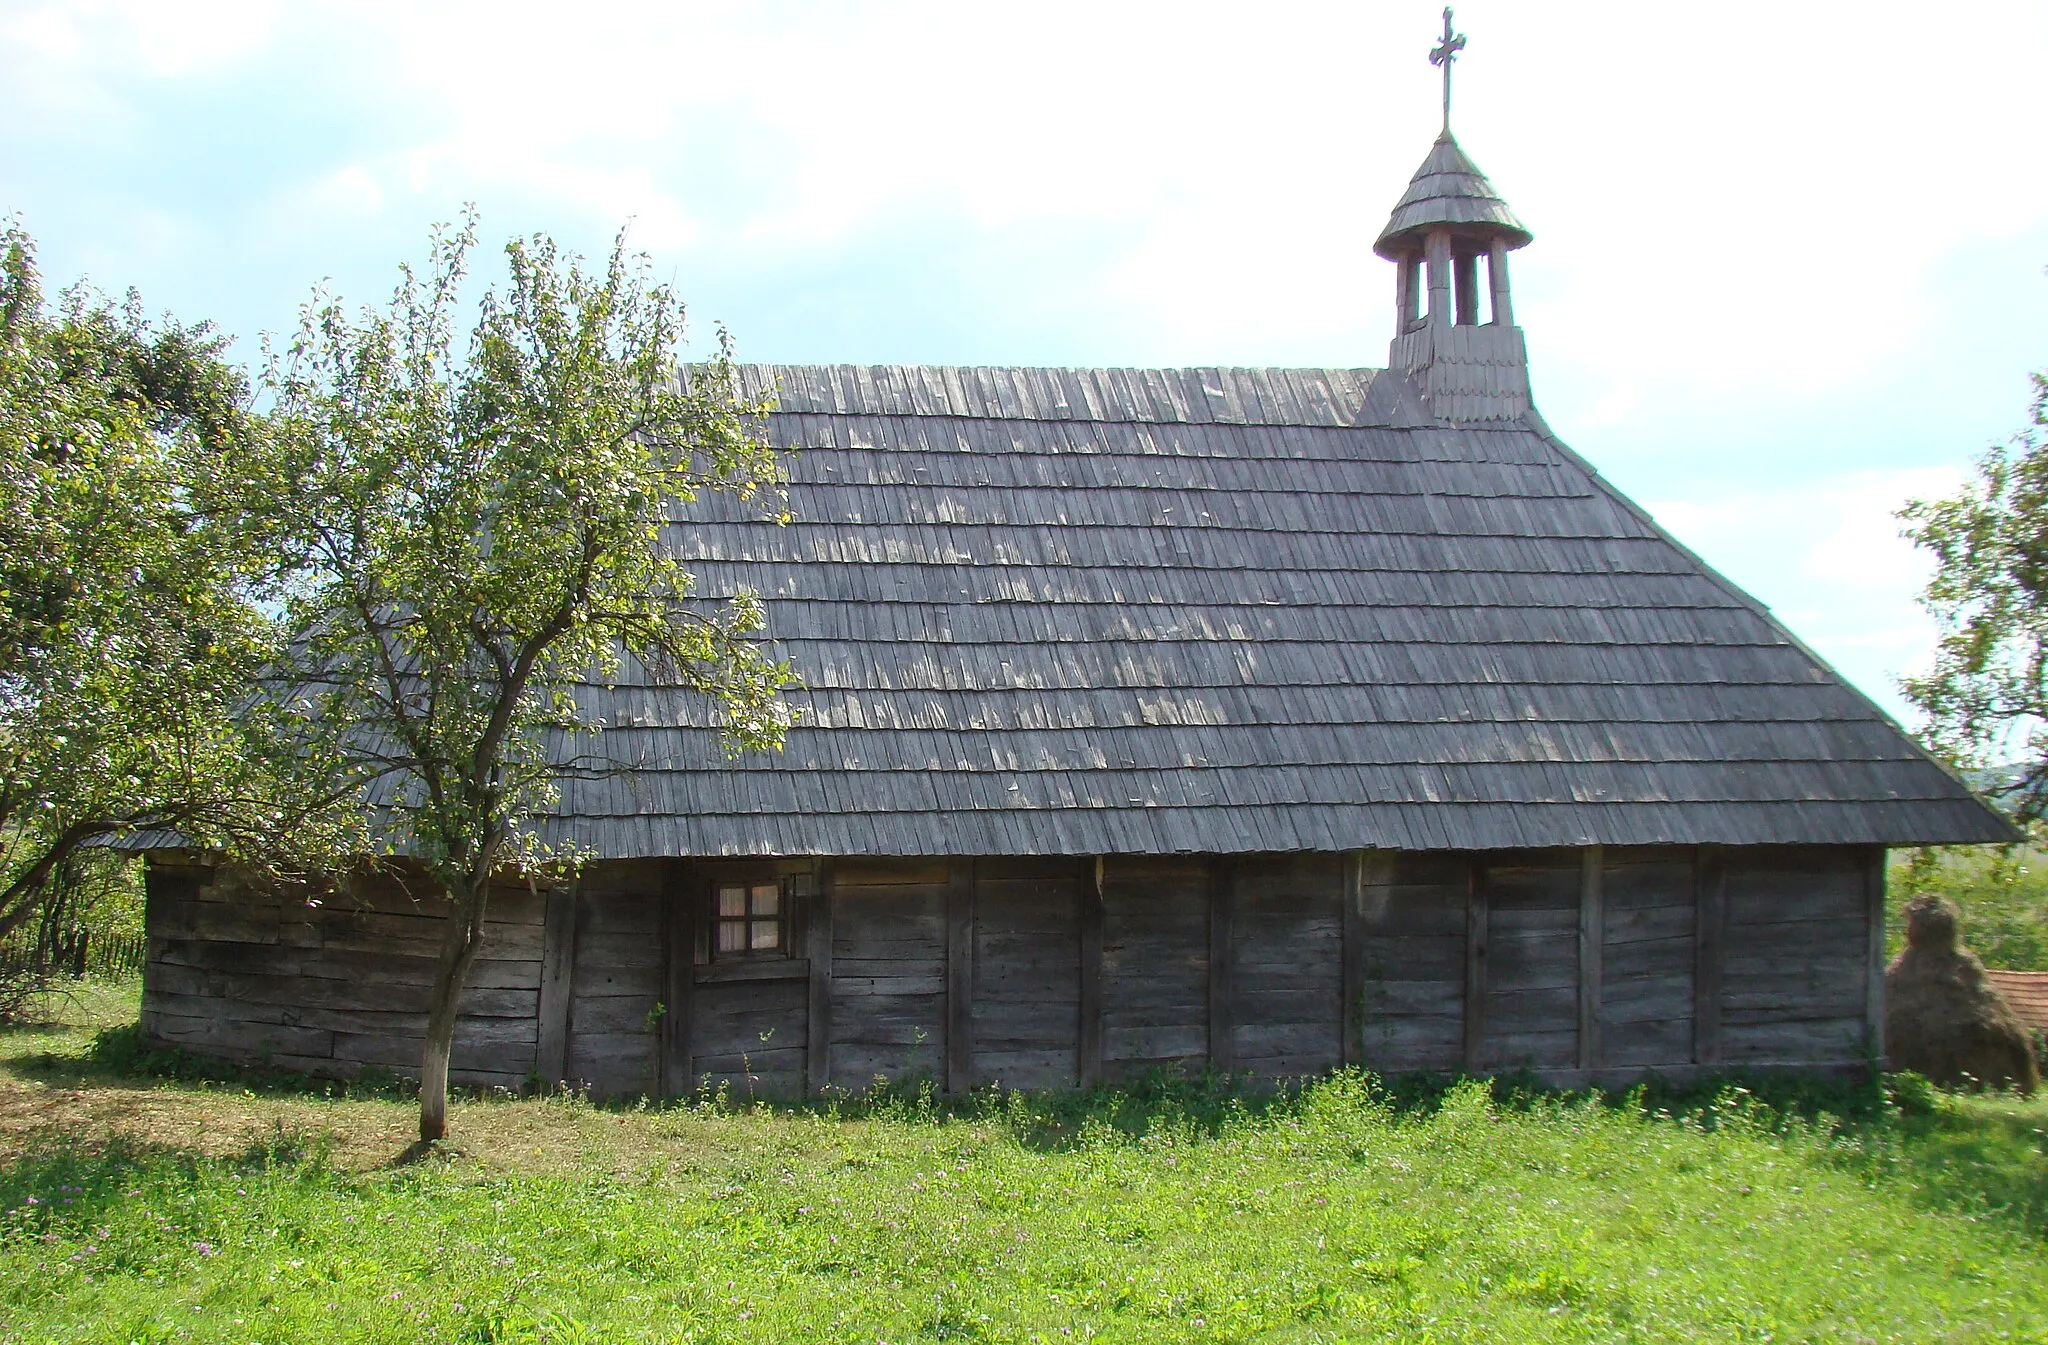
(1444, 54)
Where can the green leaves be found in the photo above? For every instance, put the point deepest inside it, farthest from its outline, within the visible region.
(131, 620)
(1986, 698)
(475, 531)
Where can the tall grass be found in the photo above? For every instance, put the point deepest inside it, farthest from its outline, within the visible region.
(1340, 1212)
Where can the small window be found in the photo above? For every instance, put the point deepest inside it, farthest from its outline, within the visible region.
(750, 921)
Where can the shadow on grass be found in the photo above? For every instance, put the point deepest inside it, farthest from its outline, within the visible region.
(74, 1182)
(122, 1055)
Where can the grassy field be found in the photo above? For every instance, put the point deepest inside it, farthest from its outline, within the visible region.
(135, 1207)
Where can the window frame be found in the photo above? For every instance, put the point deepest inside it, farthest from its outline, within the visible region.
(748, 885)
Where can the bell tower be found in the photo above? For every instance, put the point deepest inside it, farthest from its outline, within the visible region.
(1446, 224)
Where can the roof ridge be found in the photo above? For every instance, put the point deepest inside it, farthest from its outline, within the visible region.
(1330, 396)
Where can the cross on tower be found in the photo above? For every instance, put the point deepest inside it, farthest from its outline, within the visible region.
(1444, 54)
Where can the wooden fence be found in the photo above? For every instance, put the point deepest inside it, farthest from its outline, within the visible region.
(101, 955)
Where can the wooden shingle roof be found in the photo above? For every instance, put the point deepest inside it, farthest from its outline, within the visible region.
(1448, 190)
(2026, 992)
(1088, 611)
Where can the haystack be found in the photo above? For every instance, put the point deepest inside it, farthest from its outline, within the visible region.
(1943, 1017)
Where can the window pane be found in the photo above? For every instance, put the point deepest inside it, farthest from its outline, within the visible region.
(767, 899)
(767, 934)
(732, 902)
(732, 936)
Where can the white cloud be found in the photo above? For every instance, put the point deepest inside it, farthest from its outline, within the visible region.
(1761, 219)
(1827, 557)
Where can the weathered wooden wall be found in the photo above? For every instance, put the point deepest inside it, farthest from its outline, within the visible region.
(1036, 973)
(336, 988)
(1155, 963)
(888, 971)
(1646, 987)
(1284, 988)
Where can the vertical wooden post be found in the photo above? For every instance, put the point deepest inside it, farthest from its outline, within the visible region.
(679, 903)
(1497, 272)
(1089, 1062)
(1873, 988)
(1466, 268)
(1222, 904)
(959, 975)
(1408, 294)
(1710, 919)
(1476, 921)
(557, 986)
(1592, 938)
(1438, 243)
(1351, 989)
(818, 931)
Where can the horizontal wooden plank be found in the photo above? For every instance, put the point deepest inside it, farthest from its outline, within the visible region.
(1435, 957)
(915, 1024)
(601, 914)
(1140, 1011)
(1532, 920)
(612, 1066)
(1434, 996)
(1293, 1040)
(600, 953)
(757, 969)
(1532, 1008)
(1823, 940)
(1155, 1042)
(1415, 912)
(863, 872)
(1151, 870)
(1629, 887)
(646, 981)
(1819, 1041)
(1537, 1048)
(218, 1035)
(1414, 1041)
(1301, 1003)
(742, 1089)
(1651, 957)
(214, 921)
(622, 876)
(848, 989)
(1025, 1067)
(857, 1066)
(492, 973)
(1646, 924)
(761, 1061)
(1771, 898)
(1636, 998)
(220, 955)
(1546, 957)
(1666, 1041)
(601, 1015)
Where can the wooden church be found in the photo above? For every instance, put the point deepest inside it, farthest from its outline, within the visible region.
(1262, 721)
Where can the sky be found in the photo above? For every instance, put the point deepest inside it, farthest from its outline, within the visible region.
(1788, 269)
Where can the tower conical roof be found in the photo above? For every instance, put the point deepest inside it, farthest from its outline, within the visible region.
(1449, 190)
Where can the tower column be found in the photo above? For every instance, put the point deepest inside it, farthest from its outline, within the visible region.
(1407, 281)
(1497, 272)
(1439, 246)
(1466, 268)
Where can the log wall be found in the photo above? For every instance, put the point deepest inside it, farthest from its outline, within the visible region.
(336, 988)
(1581, 965)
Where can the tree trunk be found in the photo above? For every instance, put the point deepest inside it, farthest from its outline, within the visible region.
(460, 941)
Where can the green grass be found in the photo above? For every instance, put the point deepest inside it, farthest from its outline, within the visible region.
(1340, 1213)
